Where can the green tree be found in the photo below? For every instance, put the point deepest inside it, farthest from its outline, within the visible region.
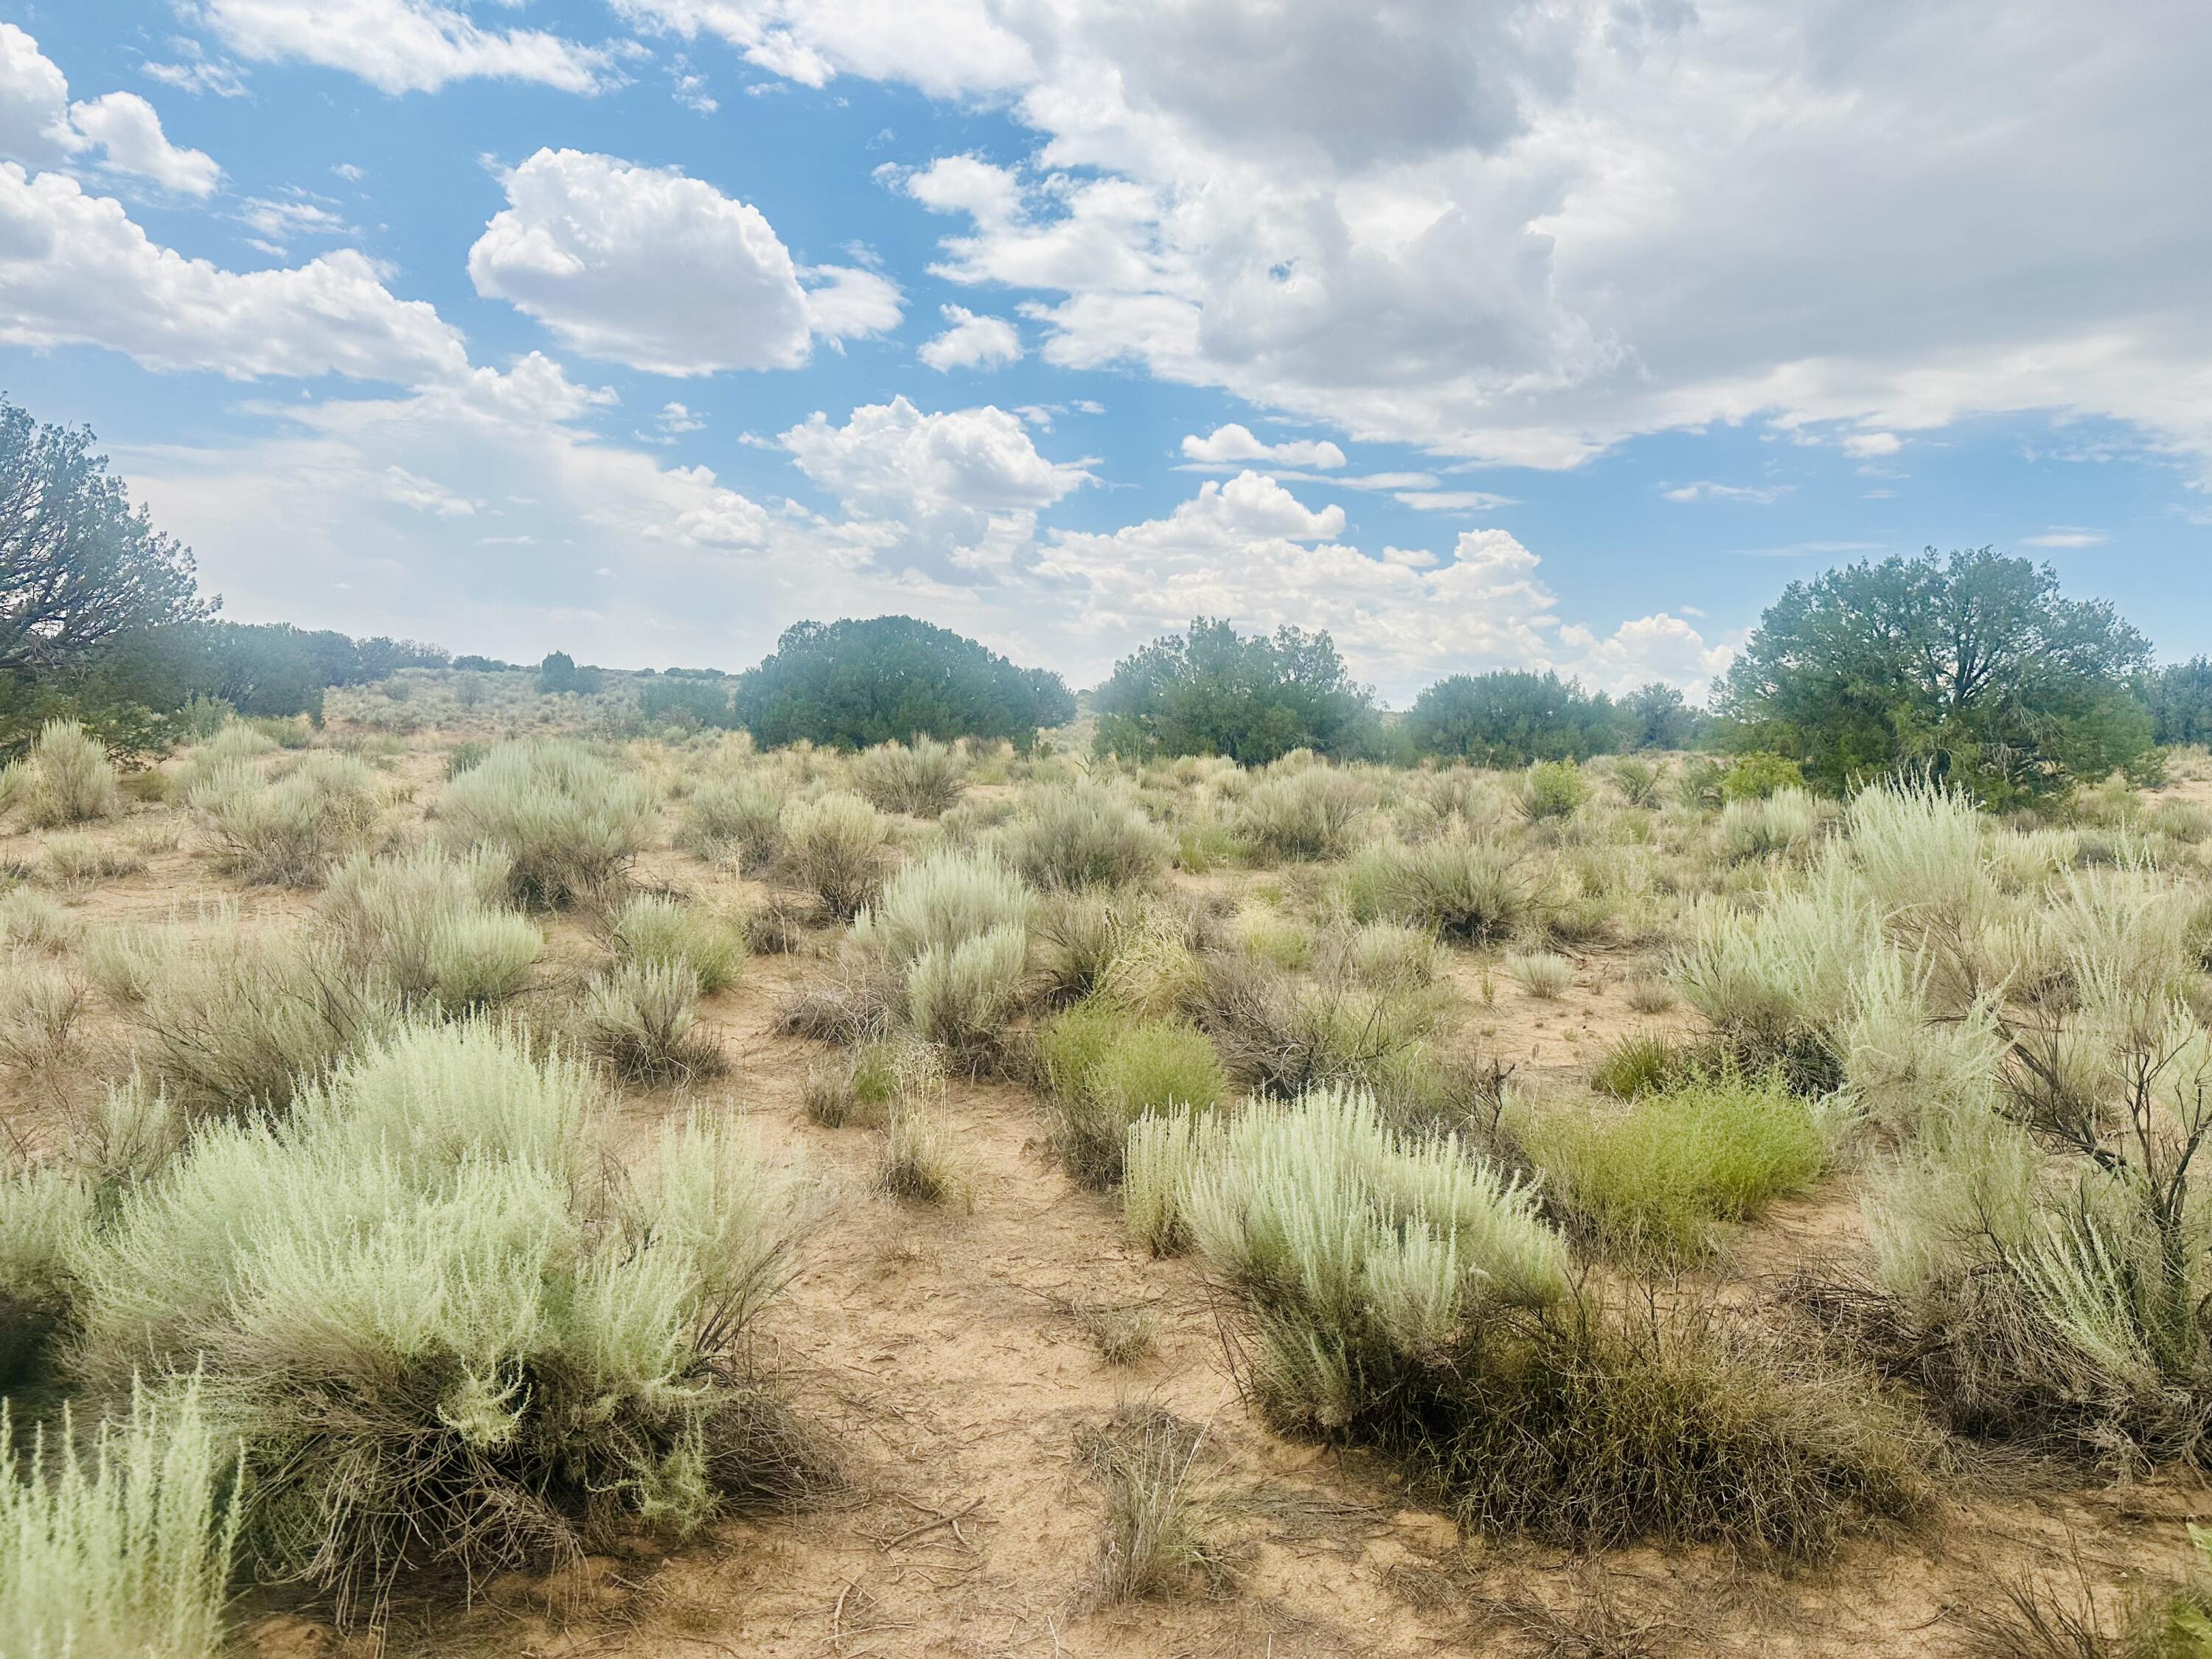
(2181, 699)
(855, 682)
(1512, 717)
(1660, 717)
(1974, 670)
(79, 566)
(1252, 697)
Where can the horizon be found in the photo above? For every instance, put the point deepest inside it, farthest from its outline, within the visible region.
(1558, 337)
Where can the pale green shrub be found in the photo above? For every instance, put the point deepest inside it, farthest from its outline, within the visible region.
(839, 847)
(1776, 825)
(40, 1008)
(570, 822)
(1775, 982)
(941, 900)
(123, 961)
(432, 925)
(924, 780)
(1541, 974)
(1306, 814)
(65, 779)
(1388, 956)
(1159, 1153)
(73, 863)
(234, 745)
(33, 921)
(1550, 790)
(1087, 834)
(959, 995)
(653, 927)
(742, 815)
(445, 1336)
(124, 1553)
(45, 1214)
(290, 831)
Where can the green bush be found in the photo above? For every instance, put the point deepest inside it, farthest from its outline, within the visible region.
(1552, 790)
(570, 823)
(1105, 1070)
(1511, 717)
(443, 1334)
(1653, 1183)
(125, 1552)
(848, 685)
(1757, 775)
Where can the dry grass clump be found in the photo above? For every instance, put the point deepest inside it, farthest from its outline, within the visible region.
(1689, 1153)
(238, 1020)
(75, 863)
(1470, 891)
(569, 822)
(433, 927)
(39, 1007)
(1388, 956)
(288, 832)
(839, 847)
(65, 779)
(1306, 814)
(1087, 834)
(45, 1211)
(872, 1079)
(1155, 1544)
(1540, 973)
(655, 928)
(1104, 1069)
(1404, 1295)
(641, 1017)
(445, 1335)
(33, 921)
(919, 1162)
(923, 780)
(1280, 1036)
(122, 1547)
(1782, 824)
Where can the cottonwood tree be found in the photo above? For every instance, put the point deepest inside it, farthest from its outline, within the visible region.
(1974, 670)
(79, 566)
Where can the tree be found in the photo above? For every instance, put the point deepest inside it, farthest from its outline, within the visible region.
(1974, 670)
(78, 565)
(855, 682)
(1660, 717)
(558, 674)
(1512, 717)
(1252, 697)
(2180, 698)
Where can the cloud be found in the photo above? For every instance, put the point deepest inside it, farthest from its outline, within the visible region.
(1233, 443)
(277, 222)
(964, 487)
(646, 267)
(971, 341)
(401, 46)
(125, 126)
(1454, 500)
(75, 269)
(2065, 534)
(1528, 231)
(40, 127)
(1705, 491)
(947, 47)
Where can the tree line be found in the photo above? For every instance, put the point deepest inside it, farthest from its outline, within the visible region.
(1971, 668)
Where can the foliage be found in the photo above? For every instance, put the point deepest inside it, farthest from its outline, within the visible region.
(559, 676)
(2181, 699)
(290, 830)
(924, 779)
(1087, 834)
(839, 846)
(1105, 1069)
(1309, 813)
(1552, 789)
(445, 1335)
(654, 928)
(124, 1553)
(1660, 717)
(1252, 697)
(568, 821)
(1975, 670)
(853, 683)
(433, 927)
(65, 779)
(1758, 775)
(1511, 717)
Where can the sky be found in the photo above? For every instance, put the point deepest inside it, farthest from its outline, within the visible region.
(1482, 333)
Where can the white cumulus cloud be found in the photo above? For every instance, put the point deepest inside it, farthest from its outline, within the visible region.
(401, 46)
(647, 267)
(1230, 444)
(971, 341)
(118, 131)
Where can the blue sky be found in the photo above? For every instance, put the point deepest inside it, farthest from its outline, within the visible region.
(1556, 333)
